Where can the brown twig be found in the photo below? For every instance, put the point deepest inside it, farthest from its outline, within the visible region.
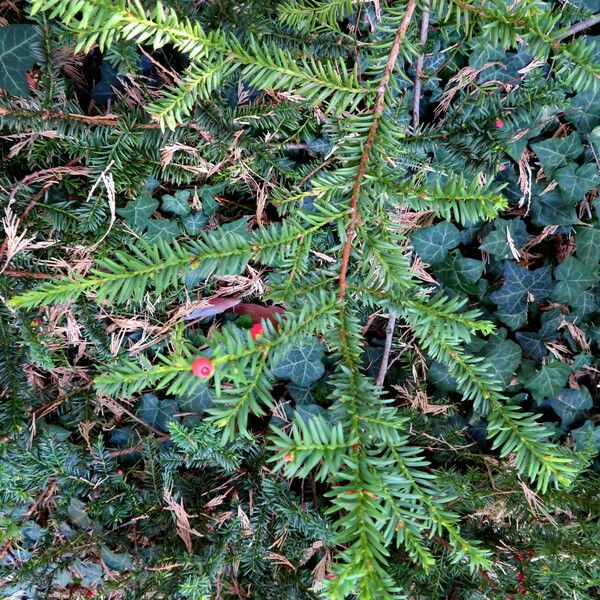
(26, 273)
(419, 65)
(582, 25)
(361, 171)
(389, 335)
(315, 170)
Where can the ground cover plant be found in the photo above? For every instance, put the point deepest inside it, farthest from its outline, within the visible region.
(299, 299)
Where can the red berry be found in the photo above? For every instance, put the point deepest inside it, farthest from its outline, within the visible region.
(521, 588)
(256, 331)
(499, 123)
(203, 367)
(119, 471)
(89, 594)
(288, 458)
(330, 576)
(520, 556)
(303, 506)
(521, 576)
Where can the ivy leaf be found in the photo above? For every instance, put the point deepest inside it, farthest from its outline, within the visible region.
(571, 404)
(432, 243)
(77, 514)
(498, 242)
(157, 413)
(309, 411)
(19, 50)
(519, 284)
(239, 226)
(585, 305)
(301, 395)
(532, 344)
(137, 212)
(503, 360)
(587, 244)
(585, 111)
(177, 203)
(557, 152)
(574, 278)
(438, 375)
(585, 435)
(116, 561)
(548, 381)
(575, 183)
(208, 193)
(197, 401)
(552, 208)
(195, 223)
(301, 362)
(161, 230)
(459, 274)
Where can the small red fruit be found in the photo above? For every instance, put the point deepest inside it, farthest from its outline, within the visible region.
(288, 458)
(256, 330)
(499, 123)
(119, 471)
(521, 576)
(330, 576)
(203, 367)
(303, 506)
(520, 555)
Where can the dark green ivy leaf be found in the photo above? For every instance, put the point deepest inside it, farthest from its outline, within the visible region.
(519, 283)
(438, 375)
(574, 278)
(161, 230)
(571, 404)
(137, 212)
(552, 208)
(585, 111)
(195, 223)
(548, 381)
(19, 50)
(532, 344)
(503, 359)
(301, 395)
(575, 183)
(177, 203)
(157, 413)
(301, 362)
(587, 434)
(432, 243)
(587, 244)
(497, 243)
(557, 152)
(208, 193)
(459, 274)
(116, 561)
(197, 401)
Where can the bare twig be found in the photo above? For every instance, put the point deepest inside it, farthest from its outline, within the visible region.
(389, 334)
(582, 25)
(9, 273)
(361, 171)
(419, 65)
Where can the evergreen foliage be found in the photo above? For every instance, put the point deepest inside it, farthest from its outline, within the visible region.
(255, 162)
